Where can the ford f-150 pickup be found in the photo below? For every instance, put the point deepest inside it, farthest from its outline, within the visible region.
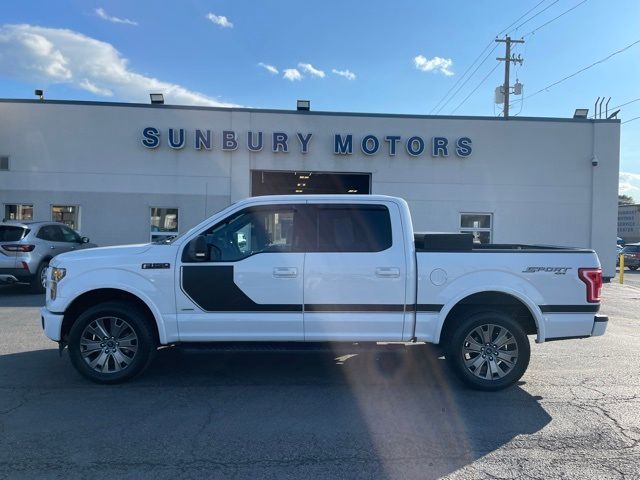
(321, 268)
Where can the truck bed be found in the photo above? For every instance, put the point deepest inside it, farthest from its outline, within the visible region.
(463, 242)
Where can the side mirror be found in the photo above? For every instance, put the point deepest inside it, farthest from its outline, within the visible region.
(84, 240)
(198, 249)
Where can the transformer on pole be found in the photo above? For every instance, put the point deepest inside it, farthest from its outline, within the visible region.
(508, 59)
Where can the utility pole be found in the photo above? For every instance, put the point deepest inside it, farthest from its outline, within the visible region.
(508, 58)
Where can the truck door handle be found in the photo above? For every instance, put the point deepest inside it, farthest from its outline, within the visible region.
(285, 272)
(52, 247)
(388, 272)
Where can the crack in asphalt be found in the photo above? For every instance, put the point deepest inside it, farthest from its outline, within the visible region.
(597, 409)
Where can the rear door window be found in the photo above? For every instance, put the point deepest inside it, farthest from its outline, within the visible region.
(51, 233)
(352, 228)
(12, 234)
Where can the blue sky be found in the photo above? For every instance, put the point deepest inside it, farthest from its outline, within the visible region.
(116, 50)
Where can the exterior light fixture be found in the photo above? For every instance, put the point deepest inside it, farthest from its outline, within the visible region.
(157, 98)
(304, 105)
(581, 113)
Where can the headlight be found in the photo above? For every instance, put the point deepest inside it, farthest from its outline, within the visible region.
(58, 274)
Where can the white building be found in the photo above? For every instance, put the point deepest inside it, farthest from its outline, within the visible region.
(123, 173)
(629, 223)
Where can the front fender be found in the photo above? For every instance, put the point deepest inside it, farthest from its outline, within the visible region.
(152, 289)
(493, 281)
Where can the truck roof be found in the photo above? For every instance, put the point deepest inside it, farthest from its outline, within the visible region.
(301, 197)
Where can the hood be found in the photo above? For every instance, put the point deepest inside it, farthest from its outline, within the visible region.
(106, 252)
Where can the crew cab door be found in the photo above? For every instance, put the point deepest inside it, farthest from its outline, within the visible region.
(241, 279)
(355, 273)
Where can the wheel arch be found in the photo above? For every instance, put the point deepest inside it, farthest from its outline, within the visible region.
(43, 260)
(526, 313)
(101, 295)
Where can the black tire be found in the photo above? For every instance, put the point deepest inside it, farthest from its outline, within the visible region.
(633, 268)
(133, 324)
(458, 357)
(36, 285)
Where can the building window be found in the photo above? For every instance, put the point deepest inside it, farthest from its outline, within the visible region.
(67, 214)
(18, 212)
(479, 224)
(164, 223)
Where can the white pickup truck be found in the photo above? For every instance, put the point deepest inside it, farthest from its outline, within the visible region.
(321, 268)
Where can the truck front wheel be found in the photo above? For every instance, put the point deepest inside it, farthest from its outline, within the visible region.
(488, 350)
(111, 343)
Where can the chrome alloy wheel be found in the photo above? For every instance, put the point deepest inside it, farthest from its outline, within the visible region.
(490, 351)
(108, 344)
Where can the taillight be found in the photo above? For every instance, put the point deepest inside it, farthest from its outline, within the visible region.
(18, 248)
(592, 277)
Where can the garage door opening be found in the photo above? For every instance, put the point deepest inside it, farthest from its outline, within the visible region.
(265, 182)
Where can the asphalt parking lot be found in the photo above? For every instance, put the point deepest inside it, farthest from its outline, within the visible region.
(387, 414)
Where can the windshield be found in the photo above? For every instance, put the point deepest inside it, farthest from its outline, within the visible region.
(172, 239)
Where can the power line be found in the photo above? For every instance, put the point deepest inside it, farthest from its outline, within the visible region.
(630, 120)
(521, 17)
(463, 75)
(534, 16)
(554, 18)
(468, 78)
(477, 87)
(480, 55)
(583, 69)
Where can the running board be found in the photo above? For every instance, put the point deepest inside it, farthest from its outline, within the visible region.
(292, 347)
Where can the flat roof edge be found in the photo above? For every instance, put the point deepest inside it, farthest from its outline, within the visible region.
(310, 112)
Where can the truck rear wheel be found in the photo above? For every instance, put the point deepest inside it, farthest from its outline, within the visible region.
(111, 343)
(488, 350)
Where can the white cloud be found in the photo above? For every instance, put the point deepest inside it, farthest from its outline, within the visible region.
(109, 18)
(51, 55)
(292, 74)
(629, 184)
(435, 64)
(308, 68)
(90, 87)
(349, 75)
(269, 68)
(220, 20)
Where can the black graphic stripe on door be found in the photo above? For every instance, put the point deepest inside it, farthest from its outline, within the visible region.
(212, 288)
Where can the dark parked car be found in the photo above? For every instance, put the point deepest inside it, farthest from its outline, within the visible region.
(631, 252)
(27, 247)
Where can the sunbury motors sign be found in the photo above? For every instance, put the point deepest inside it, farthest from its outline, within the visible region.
(343, 143)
